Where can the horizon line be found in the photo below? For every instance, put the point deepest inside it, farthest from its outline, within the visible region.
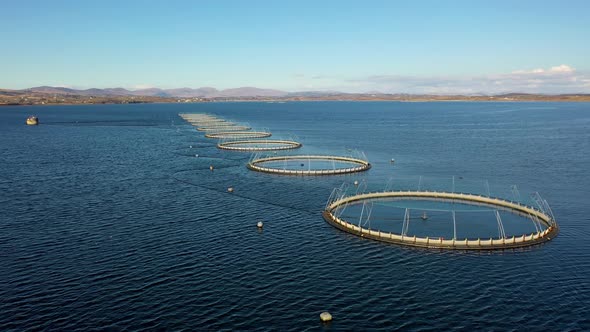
(327, 91)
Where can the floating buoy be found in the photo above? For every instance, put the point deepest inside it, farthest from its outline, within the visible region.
(197, 155)
(190, 146)
(211, 167)
(392, 160)
(260, 224)
(230, 189)
(32, 120)
(356, 183)
(325, 316)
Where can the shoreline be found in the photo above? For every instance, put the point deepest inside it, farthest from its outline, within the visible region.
(315, 100)
(75, 97)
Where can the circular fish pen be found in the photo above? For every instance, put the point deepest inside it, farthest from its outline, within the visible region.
(259, 145)
(200, 120)
(224, 128)
(238, 134)
(212, 122)
(308, 165)
(424, 216)
(216, 123)
(199, 117)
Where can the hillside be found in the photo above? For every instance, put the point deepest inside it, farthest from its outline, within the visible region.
(59, 95)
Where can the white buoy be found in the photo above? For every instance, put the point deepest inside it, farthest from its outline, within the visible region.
(197, 155)
(325, 316)
(190, 146)
(230, 189)
(392, 160)
(356, 183)
(260, 224)
(211, 167)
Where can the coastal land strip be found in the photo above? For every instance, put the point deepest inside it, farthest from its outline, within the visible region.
(57, 97)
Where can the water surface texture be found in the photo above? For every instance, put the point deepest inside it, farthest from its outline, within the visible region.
(110, 218)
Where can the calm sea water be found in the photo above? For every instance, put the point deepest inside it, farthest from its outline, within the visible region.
(109, 220)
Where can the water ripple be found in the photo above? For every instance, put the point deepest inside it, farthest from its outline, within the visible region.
(121, 227)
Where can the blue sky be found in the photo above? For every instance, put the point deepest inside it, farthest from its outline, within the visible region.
(353, 46)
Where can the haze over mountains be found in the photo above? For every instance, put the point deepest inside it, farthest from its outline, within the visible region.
(205, 92)
(44, 95)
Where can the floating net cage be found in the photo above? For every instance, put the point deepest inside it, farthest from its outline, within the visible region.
(224, 128)
(442, 213)
(308, 164)
(238, 134)
(258, 145)
(196, 116)
(204, 120)
(211, 124)
(254, 145)
(217, 123)
(199, 117)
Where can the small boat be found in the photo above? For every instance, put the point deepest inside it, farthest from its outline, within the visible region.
(424, 216)
(32, 120)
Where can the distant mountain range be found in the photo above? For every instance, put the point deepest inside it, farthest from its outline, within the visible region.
(44, 95)
(205, 92)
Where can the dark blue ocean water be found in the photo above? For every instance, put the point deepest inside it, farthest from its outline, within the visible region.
(109, 221)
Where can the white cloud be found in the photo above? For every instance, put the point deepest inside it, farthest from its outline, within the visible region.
(562, 69)
(556, 69)
(554, 80)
